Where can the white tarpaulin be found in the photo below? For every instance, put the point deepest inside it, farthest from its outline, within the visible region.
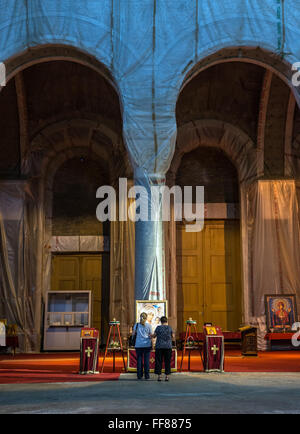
(275, 240)
(18, 292)
(79, 243)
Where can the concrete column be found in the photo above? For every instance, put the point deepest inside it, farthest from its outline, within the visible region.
(149, 242)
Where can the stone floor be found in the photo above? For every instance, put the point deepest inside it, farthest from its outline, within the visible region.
(186, 393)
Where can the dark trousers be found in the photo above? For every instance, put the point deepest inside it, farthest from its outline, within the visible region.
(163, 354)
(143, 356)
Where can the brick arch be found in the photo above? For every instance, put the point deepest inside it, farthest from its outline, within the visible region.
(52, 168)
(236, 144)
(53, 52)
(49, 149)
(241, 150)
(268, 60)
(50, 162)
(98, 123)
(64, 137)
(294, 158)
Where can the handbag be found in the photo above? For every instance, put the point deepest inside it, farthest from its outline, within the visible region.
(132, 338)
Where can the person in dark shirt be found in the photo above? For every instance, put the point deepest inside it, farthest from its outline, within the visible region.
(163, 348)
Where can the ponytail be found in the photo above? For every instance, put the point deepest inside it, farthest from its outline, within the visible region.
(143, 318)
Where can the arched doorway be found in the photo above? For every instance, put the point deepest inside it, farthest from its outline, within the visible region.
(80, 256)
(216, 147)
(64, 126)
(247, 111)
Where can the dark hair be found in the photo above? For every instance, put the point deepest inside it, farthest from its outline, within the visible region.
(143, 318)
(164, 320)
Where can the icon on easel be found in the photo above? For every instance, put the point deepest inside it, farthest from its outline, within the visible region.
(191, 341)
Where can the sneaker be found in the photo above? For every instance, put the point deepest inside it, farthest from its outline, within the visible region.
(167, 378)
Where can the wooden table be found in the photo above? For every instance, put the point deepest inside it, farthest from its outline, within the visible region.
(12, 342)
(281, 341)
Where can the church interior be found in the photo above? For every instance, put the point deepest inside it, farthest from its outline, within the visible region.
(75, 118)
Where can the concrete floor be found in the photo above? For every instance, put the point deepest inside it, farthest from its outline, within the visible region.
(186, 393)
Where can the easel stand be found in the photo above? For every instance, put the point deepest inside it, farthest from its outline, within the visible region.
(190, 327)
(114, 331)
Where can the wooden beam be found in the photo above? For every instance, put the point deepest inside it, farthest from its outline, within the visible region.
(23, 116)
(289, 125)
(262, 115)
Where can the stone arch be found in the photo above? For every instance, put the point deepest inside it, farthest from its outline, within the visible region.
(273, 64)
(241, 150)
(59, 142)
(66, 136)
(101, 125)
(51, 166)
(294, 158)
(257, 55)
(237, 145)
(53, 52)
(50, 148)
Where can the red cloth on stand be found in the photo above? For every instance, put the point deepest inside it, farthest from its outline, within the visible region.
(227, 336)
(89, 356)
(12, 341)
(279, 336)
(132, 360)
(213, 351)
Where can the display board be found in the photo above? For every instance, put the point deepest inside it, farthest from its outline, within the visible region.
(66, 313)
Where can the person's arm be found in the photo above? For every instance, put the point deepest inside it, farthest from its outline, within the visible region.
(173, 336)
(151, 334)
(154, 335)
(134, 330)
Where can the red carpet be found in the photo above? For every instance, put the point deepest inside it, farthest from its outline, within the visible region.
(63, 367)
(16, 376)
(269, 361)
(49, 368)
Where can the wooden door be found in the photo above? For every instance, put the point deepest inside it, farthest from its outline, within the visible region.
(209, 275)
(80, 272)
(65, 273)
(222, 274)
(91, 267)
(189, 273)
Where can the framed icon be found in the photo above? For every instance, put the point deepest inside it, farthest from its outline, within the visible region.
(154, 309)
(281, 312)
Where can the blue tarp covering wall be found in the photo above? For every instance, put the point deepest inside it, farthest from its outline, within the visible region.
(149, 46)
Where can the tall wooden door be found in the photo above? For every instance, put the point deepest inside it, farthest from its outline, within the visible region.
(209, 275)
(80, 272)
(190, 284)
